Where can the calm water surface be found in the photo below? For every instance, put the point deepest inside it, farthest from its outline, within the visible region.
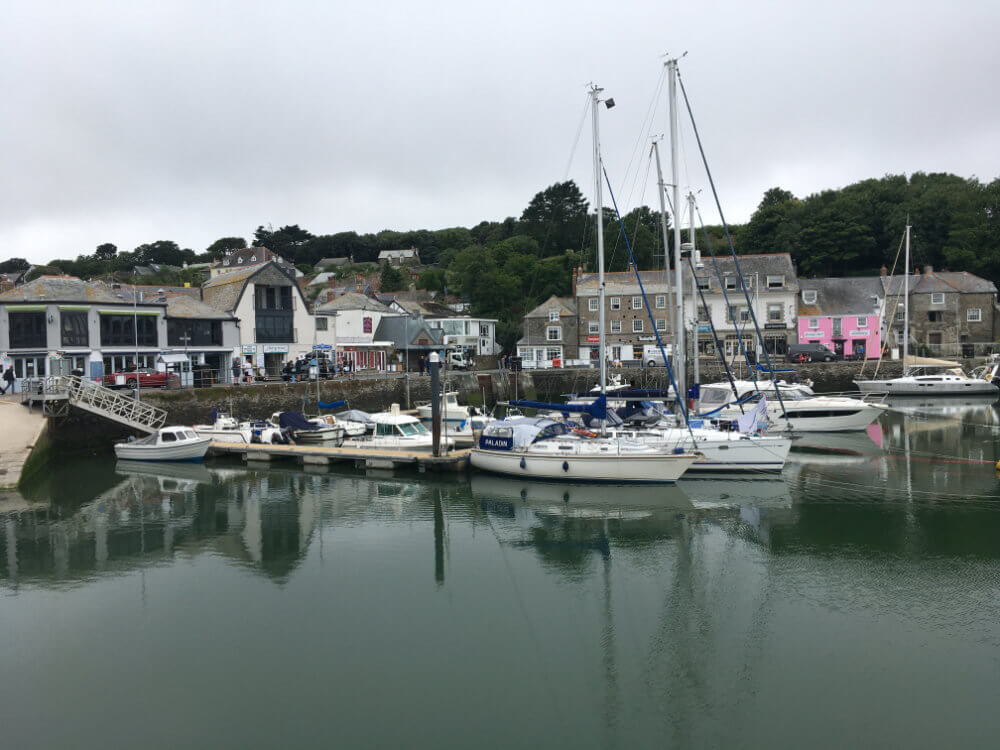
(854, 601)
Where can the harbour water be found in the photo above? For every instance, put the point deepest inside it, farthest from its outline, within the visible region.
(854, 600)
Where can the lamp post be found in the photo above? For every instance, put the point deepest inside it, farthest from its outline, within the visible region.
(135, 330)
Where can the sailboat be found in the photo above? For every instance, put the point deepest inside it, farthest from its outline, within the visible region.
(923, 376)
(542, 448)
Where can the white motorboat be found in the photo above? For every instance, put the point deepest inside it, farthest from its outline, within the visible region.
(225, 429)
(393, 429)
(451, 410)
(805, 411)
(541, 448)
(723, 450)
(351, 428)
(930, 377)
(166, 444)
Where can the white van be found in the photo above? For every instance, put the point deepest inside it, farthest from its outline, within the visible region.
(652, 356)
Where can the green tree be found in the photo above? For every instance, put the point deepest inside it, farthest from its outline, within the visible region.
(14, 264)
(556, 218)
(391, 279)
(107, 251)
(223, 246)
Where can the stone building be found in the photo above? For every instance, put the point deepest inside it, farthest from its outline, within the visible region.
(551, 332)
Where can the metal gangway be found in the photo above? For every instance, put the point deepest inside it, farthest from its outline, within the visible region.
(57, 393)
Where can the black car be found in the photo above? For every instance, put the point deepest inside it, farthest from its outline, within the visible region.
(810, 353)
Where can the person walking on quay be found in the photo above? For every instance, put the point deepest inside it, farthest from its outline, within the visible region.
(8, 380)
(236, 371)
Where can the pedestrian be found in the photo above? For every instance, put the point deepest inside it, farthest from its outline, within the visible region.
(236, 371)
(247, 370)
(420, 363)
(8, 379)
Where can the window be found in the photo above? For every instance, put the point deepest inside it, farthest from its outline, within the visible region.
(616, 303)
(553, 352)
(593, 327)
(553, 316)
(838, 327)
(974, 314)
(748, 282)
(120, 330)
(27, 329)
(934, 339)
(321, 323)
(937, 298)
(194, 332)
(592, 304)
(637, 325)
(899, 337)
(814, 323)
(484, 330)
(75, 331)
(704, 283)
(774, 313)
(616, 326)
(863, 322)
(744, 315)
(900, 316)
(553, 333)
(809, 296)
(275, 328)
(661, 301)
(661, 324)
(934, 316)
(527, 353)
(730, 282)
(169, 437)
(637, 303)
(703, 314)
(775, 282)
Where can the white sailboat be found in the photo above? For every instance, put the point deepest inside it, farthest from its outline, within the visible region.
(541, 448)
(924, 376)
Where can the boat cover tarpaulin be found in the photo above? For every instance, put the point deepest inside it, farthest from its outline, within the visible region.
(598, 408)
(293, 420)
(911, 361)
(355, 415)
(331, 404)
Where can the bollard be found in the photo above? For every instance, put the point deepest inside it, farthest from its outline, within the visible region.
(434, 365)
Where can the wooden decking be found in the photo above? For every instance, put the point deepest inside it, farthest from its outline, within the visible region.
(369, 458)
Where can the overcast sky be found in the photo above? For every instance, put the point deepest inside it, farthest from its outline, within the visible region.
(133, 122)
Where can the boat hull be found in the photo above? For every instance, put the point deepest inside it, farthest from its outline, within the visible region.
(616, 468)
(242, 437)
(191, 450)
(908, 387)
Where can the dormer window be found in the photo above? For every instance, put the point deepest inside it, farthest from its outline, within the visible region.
(253, 258)
(225, 262)
(809, 296)
(554, 316)
(239, 260)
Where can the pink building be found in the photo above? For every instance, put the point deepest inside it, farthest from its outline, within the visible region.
(841, 314)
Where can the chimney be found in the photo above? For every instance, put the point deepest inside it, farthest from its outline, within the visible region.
(331, 282)
(883, 271)
(928, 270)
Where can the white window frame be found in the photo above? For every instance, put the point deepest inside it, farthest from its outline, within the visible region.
(549, 330)
(813, 323)
(862, 322)
(744, 314)
(553, 352)
(937, 298)
(978, 317)
(900, 316)
(704, 283)
(660, 302)
(731, 282)
(661, 324)
(775, 282)
(553, 316)
(809, 296)
(616, 326)
(637, 303)
(637, 325)
(771, 309)
(593, 326)
(592, 304)
(616, 303)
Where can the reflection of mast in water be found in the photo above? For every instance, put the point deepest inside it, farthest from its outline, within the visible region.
(11, 532)
(438, 539)
(612, 704)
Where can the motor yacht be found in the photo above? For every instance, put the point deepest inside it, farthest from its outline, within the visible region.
(393, 429)
(931, 377)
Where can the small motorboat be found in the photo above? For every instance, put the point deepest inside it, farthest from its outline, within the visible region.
(451, 410)
(166, 444)
(304, 431)
(225, 429)
(351, 428)
(393, 429)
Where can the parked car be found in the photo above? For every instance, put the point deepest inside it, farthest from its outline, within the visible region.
(810, 353)
(145, 376)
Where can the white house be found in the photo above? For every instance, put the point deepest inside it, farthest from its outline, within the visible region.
(275, 322)
(474, 336)
(347, 324)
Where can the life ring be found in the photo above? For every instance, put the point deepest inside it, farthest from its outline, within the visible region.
(583, 432)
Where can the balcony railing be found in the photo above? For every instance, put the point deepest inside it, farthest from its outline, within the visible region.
(271, 336)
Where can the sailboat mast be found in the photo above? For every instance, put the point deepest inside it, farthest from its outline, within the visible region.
(906, 298)
(594, 106)
(694, 292)
(666, 243)
(679, 369)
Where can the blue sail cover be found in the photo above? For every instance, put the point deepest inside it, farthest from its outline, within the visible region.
(598, 408)
(293, 420)
(331, 404)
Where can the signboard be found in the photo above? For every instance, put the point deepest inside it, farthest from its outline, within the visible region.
(647, 338)
(705, 328)
(812, 335)
(275, 348)
(593, 339)
(366, 325)
(249, 348)
(774, 326)
(859, 333)
(322, 347)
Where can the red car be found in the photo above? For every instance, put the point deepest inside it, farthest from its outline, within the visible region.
(147, 379)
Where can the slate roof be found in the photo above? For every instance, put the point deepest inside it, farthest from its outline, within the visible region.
(335, 262)
(223, 292)
(754, 264)
(68, 289)
(409, 252)
(565, 306)
(352, 301)
(399, 329)
(961, 282)
(321, 278)
(621, 282)
(851, 296)
(189, 307)
(417, 295)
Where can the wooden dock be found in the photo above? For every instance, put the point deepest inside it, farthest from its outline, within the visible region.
(364, 458)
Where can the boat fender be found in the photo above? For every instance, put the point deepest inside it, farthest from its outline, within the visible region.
(678, 450)
(523, 463)
(565, 465)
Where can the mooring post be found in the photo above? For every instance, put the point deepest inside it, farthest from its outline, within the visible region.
(434, 365)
